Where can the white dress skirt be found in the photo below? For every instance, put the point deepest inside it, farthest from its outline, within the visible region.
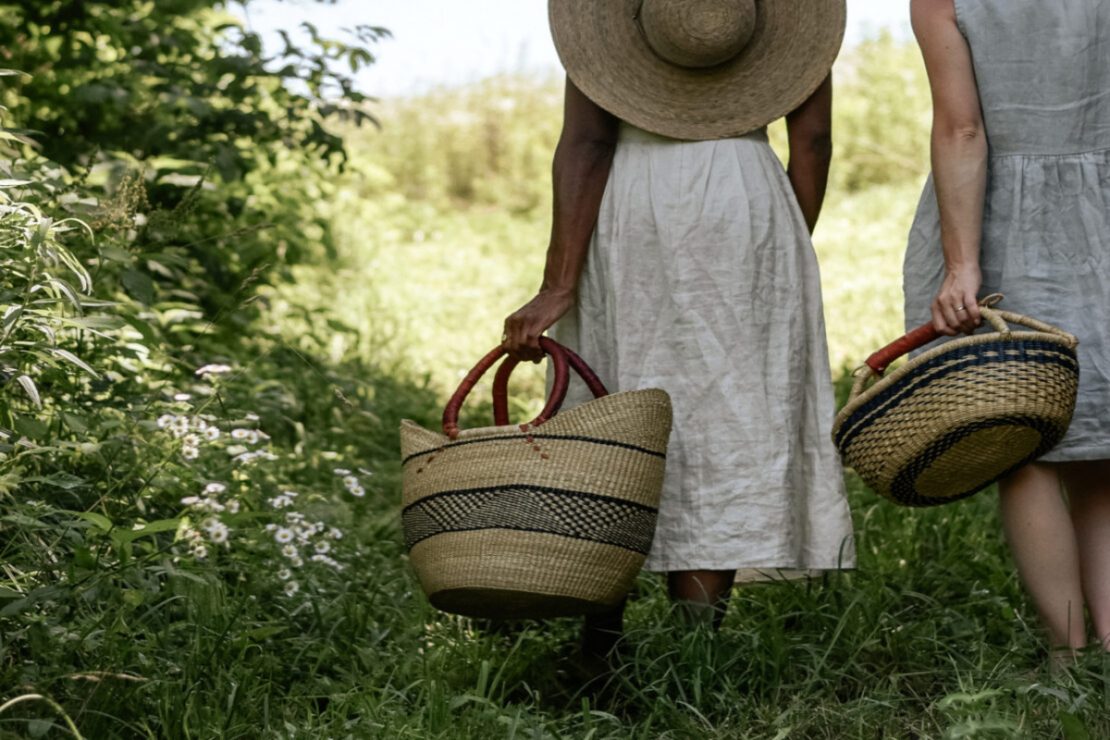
(701, 279)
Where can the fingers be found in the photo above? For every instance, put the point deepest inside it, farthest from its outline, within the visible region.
(956, 312)
(521, 339)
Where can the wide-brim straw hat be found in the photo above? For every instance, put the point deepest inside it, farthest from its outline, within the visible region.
(698, 69)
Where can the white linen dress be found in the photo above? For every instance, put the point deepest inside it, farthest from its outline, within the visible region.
(701, 279)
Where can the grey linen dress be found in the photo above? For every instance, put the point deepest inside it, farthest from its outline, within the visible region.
(1043, 71)
(701, 280)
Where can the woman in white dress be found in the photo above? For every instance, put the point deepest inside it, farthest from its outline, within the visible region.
(680, 258)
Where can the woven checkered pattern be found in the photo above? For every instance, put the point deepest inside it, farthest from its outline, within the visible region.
(958, 418)
(566, 513)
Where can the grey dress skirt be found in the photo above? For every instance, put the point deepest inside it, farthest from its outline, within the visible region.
(1043, 71)
(701, 280)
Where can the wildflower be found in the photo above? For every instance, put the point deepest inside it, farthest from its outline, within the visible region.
(291, 588)
(283, 535)
(280, 502)
(200, 424)
(235, 450)
(200, 552)
(181, 396)
(335, 533)
(191, 440)
(213, 370)
(289, 551)
(218, 532)
(322, 547)
(296, 562)
(240, 433)
(190, 501)
(233, 507)
(251, 417)
(350, 481)
(319, 527)
(285, 574)
(215, 488)
(165, 420)
(271, 527)
(212, 434)
(190, 453)
(294, 517)
(357, 491)
(179, 427)
(252, 437)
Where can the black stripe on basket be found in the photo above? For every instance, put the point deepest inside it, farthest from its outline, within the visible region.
(575, 514)
(512, 437)
(904, 488)
(967, 357)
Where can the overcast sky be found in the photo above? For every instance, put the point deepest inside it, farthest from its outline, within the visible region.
(438, 42)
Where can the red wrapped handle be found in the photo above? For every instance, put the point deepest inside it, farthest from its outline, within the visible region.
(916, 339)
(558, 390)
(501, 381)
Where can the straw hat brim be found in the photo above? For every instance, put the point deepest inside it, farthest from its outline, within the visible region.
(790, 53)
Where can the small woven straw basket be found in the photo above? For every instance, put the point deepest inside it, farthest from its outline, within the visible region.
(960, 416)
(552, 518)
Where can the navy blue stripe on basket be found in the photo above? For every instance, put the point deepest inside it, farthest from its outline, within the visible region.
(510, 437)
(968, 357)
(524, 508)
(904, 486)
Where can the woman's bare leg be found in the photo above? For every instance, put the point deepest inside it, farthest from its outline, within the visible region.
(702, 595)
(1043, 542)
(1088, 486)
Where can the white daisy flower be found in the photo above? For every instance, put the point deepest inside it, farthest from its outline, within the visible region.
(181, 396)
(200, 552)
(190, 501)
(296, 562)
(350, 481)
(289, 551)
(283, 535)
(233, 506)
(212, 434)
(271, 527)
(252, 437)
(219, 533)
(357, 491)
(215, 488)
(240, 433)
(323, 547)
(165, 420)
(285, 574)
(335, 533)
(294, 517)
(190, 453)
(291, 588)
(200, 424)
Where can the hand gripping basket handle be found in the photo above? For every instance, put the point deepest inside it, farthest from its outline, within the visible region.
(501, 381)
(922, 335)
(558, 391)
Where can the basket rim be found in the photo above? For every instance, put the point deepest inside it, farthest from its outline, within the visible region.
(892, 378)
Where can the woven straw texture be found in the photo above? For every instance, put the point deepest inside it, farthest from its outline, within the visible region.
(959, 417)
(606, 53)
(518, 521)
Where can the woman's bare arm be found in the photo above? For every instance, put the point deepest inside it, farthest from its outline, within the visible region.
(579, 173)
(809, 131)
(959, 154)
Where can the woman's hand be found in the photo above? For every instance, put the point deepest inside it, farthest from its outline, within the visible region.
(956, 307)
(524, 328)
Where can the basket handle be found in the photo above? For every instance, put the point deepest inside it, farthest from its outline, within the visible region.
(501, 381)
(922, 335)
(555, 400)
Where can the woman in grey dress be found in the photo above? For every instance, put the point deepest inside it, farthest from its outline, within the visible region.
(1019, 203)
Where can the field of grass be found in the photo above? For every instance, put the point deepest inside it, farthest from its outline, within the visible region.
(108, 629)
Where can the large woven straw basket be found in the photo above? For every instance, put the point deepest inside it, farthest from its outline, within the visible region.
(551, 518)
(959, 416)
